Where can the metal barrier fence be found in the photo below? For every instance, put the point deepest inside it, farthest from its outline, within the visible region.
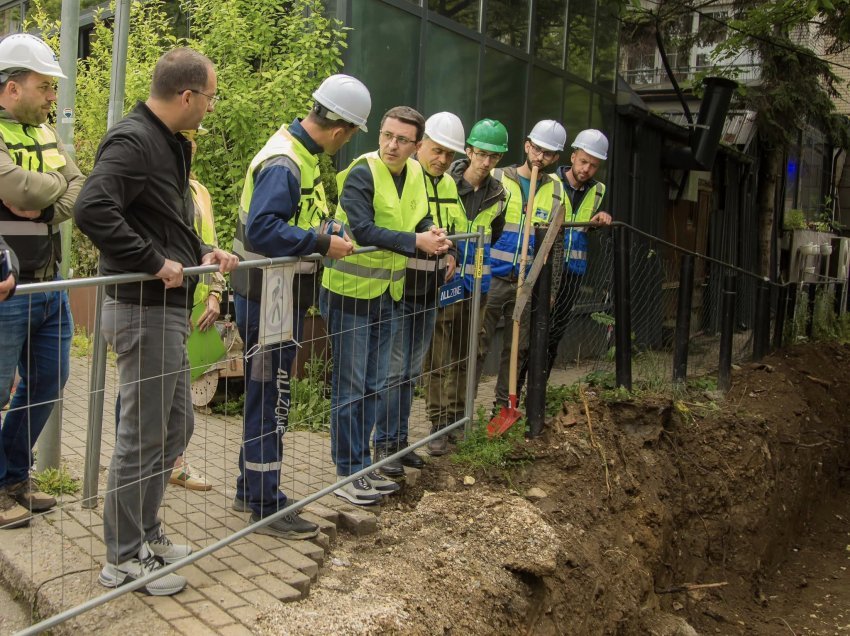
(645, 310)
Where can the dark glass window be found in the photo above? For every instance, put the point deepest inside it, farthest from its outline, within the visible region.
(580, 23)
(383, 54)
(549, 21)
(465, 12)
(502, 97)
(545, 99)
(607, 28)
(507, 22)
(449, 55)
(576, 109)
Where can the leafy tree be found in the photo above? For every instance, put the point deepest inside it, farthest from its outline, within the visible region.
(269, 57)
(797, 84)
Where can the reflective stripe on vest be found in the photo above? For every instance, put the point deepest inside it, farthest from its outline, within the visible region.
(312, 206)
(371, 274)
(466, 249)
(505, 253)
(575, 239)
(33, 148)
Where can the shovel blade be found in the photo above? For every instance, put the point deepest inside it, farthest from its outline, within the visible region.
(507, 417)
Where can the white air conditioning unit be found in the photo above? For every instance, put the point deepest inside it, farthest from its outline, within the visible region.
(809, 251)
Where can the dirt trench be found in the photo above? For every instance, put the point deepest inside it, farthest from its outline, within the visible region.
(655, 517)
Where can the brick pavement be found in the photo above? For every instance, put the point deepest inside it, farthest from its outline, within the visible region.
(57, 559)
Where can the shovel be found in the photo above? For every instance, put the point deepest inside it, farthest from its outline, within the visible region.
(509, 415)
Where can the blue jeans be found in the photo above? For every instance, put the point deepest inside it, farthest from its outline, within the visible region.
(415, 327)
(36, 331)
(361, 353)
(266, 414)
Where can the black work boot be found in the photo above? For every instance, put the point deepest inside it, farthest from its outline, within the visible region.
(390, 469)
(440, 445)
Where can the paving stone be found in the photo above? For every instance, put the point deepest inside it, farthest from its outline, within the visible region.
(411, 475)
(323, 541)
(262, 599)
(278, 589)
(247, 614)
(193, 627)
(210, 614)
(167, 607)
(243, 566)
(356, 521)
(233, 581)
(223, 597)
(309, 549)
(210, 564)
(297, 560)
(326, 526)
(289, 575)
(235, 630)
(255, 553)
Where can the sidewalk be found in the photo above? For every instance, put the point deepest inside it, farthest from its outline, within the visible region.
(55, 562)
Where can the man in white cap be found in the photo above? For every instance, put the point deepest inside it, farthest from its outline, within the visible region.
(283, 212)
(425, 274)
(583, 201)
(38, 186)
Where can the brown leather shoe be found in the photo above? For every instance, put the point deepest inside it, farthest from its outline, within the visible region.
(12, 515)
(439, 446)
(30, 497)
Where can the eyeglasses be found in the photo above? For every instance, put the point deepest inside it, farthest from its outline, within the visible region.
(547, 154)
(487, 156)
(401, 141)
(213, 98)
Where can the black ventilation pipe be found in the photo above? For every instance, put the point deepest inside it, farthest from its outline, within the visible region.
(705, 137)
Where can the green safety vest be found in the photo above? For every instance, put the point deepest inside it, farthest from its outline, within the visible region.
(505, 254)
(205, 227)
(36, 244)
(369, 275)
(466, 248)
(312, 207)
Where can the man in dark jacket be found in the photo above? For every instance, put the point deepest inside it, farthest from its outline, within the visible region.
(137, 209)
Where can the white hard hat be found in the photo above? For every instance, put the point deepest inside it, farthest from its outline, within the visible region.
(549, 135)
(446, 129)
(345, 97)
(25, 51)
(593, 142)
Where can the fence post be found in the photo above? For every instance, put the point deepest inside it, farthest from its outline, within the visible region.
(781, 307)
(727, 327)
(472, 356)
(810, 316)
(622, 308)
(683, 319)
(538, 349)
(761, 329)
(97, 384)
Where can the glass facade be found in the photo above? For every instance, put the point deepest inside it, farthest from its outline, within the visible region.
(517, 61)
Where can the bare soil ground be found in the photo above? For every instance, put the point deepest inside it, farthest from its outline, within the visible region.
(656, 516)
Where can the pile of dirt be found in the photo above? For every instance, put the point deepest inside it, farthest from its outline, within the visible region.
(647, 517)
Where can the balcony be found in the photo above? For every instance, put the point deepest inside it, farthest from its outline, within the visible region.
(746, 73)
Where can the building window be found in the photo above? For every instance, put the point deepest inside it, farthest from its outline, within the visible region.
(448, 54)
(549, 22)
(507, 22)
(465, 12)
(580, 37)
(10, 19)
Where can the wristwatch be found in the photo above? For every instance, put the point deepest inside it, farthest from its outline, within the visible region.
(216, 294)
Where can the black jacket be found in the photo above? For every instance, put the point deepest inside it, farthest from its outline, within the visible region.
(136, 207)
(476, 200)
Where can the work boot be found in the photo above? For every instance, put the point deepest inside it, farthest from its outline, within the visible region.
(412, 460)
(12, 515)
(440, 445)
(390, 469)
(30, 497)
(290, 526)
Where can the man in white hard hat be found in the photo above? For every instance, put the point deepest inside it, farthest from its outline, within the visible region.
(136, 207)
(425, 274)
(283, 212)
(483, 199)
(38, 186)
(583, 201)
(383, 203)
(543, 147)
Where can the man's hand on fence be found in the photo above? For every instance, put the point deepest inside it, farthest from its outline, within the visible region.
(433, 242)
(340, 247)
(171, 274)
(227, 262)
(24, 214)
(6, 287)
(601, 218)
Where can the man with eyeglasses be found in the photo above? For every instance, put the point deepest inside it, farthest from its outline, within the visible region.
(136, 207)
(38, 185)
(382, 203)
(483, 199)
(282, 212)
(418, 307)
(542, 149)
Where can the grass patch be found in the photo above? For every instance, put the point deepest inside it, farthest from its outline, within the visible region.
(478, 451)
(81, 344)
(56, 482)
(310, 407)
(229, 407)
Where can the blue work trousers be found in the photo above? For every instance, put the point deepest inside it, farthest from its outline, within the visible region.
(36, 331)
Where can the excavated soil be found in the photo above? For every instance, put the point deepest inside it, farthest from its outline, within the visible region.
(663, 517)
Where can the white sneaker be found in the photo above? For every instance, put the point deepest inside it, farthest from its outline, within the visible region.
(380, 483)
(134, 569)
(166, 550)
(359, 492)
